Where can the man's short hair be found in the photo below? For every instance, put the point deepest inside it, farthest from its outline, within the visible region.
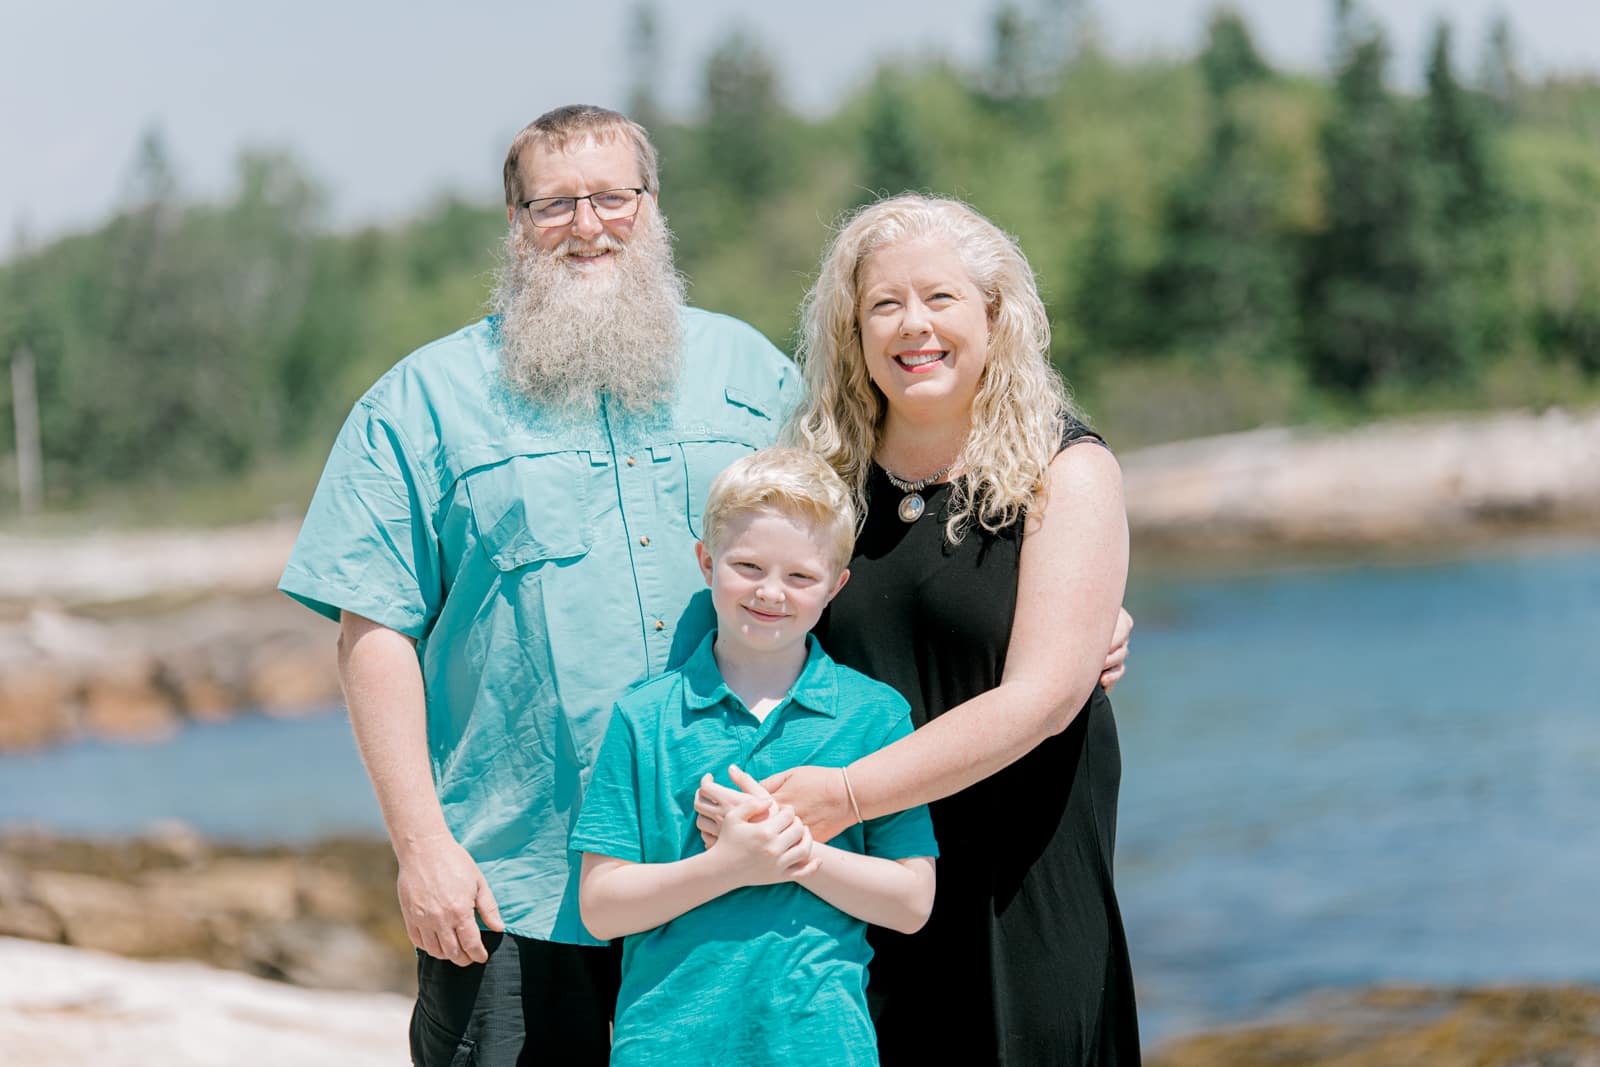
(791, 482)
(578, 122)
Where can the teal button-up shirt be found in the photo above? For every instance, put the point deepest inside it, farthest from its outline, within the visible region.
(763, 974)
(544, 565)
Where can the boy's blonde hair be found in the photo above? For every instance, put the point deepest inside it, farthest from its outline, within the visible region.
(792, 482)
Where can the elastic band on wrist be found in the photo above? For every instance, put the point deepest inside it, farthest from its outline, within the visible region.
(851, 793)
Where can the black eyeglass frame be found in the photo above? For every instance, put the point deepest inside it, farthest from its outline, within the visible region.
(637, 191)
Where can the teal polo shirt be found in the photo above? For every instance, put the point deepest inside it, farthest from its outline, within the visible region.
(764, 974)
(544, 564)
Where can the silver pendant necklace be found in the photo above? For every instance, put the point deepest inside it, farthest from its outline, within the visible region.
(912, 505)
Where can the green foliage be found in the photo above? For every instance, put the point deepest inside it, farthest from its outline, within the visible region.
(1220, 246)
(1230, 59)
(1106, 310)
(743, 136)
(1225, 280)
(894, 159)
(1377, 307)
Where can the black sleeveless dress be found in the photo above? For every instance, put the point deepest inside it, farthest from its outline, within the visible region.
(1023, 961)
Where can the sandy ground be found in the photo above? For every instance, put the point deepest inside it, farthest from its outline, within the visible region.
(67, 1007)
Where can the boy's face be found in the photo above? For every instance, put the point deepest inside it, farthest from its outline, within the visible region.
(770, 578)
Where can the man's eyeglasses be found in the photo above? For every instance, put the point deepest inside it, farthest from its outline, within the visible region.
(609, 205)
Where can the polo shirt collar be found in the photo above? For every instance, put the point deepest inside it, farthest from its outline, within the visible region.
(816, 689)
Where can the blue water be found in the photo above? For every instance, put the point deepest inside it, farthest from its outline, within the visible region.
(1358, 775)
(1330, 777)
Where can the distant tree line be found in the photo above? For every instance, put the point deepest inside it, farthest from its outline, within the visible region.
(1222, 244)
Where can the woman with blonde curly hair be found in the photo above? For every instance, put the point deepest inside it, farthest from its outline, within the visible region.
(985, 587)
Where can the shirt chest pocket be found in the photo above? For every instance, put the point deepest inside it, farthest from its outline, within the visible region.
(702, 462)
(532, 509)
(741, 425)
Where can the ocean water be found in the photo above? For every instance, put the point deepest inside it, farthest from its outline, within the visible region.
(1360, 774)
(1332, 776)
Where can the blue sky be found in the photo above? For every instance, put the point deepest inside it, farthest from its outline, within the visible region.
(388, 106)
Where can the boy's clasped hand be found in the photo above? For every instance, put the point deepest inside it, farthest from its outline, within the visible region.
(762, 840)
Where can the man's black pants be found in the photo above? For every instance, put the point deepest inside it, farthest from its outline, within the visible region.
(534, 1002)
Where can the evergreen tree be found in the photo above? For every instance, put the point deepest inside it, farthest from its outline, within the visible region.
(1104, 303)
(743, 132)
(1225, 281)
(1467, 202)
(892, 154)
(1455, 144)
(1376, 306)
(1500, 80)
(1008, 76)
(1024, 63)
(1230, 59)
(645, 60)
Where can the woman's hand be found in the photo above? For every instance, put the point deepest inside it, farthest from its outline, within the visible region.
(1117, 659)
(816, 794)
(818, 797)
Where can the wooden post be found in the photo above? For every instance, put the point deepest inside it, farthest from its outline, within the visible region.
(25, 415)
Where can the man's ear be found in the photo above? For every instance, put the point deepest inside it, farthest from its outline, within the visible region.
(511, 214)
(704, 556)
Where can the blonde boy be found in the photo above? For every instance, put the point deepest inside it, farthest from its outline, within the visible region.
(754, 949)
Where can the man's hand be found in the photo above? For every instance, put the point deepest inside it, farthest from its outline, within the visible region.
(440, 888)
(1117, 659)
(762, 840)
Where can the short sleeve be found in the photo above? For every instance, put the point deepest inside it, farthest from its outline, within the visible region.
(903, 834)
(608, 824)
(368, 545)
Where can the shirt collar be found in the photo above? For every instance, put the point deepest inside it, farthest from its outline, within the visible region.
(816, 689)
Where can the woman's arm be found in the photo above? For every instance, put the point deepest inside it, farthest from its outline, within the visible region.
(1072, 574)
(897, 894)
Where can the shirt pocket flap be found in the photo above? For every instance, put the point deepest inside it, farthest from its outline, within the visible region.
(739, 398)
(531, 509)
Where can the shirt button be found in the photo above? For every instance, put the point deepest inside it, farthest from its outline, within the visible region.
(632, 462)
(660, 625)
(645, 541)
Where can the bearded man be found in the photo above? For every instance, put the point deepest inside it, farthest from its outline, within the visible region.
(505, 531)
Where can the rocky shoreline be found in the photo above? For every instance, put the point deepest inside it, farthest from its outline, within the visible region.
(129, 635)
(323, 916)
(137, 672)
(319, 970)
(1512, 1026)
(1429, 483)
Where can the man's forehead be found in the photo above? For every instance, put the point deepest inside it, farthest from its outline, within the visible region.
(594, 155)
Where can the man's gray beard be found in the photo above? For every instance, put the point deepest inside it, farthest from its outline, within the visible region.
(567, 337)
